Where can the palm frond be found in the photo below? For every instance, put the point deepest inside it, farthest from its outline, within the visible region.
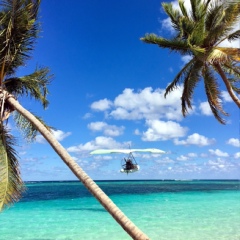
(33, 85)
(11, 184)
(174, 15)
(19, 32)
(173, 45)
(217, 55)
(235, 84)
(183, 9)
(232, 69)
(226, 26)
(234, 36)
(231, 53)
(198, 10)
(181, 76)
(213, 94)
(219, 22)
(186, 27)
(27, 128)
(198, 34)
(190, 83)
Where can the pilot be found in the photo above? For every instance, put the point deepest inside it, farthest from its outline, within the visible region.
(129, 165)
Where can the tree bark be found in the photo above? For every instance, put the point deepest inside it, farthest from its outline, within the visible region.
(227, 84)
(95, 190)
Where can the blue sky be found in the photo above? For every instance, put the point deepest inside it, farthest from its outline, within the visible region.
(107, 92)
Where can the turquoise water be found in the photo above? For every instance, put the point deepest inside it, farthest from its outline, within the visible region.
(167, 210)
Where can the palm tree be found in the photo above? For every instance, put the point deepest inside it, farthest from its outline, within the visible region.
(198, 33)
(19, 29)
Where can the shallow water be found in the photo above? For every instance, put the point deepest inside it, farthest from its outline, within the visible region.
(168, 210)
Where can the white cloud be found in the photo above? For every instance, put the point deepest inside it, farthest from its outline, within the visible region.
(164, 160)
(195, 139)
(234, 142)
(226, 97)
(186, 58)
(98, 142)
(87, 115)
(143, 104)
(182, 158)
(58, 134)
(192, 155)
(160, 130)
(205, 109)
(101, 105)
(147, 104)
(167, 24)
(108, 130)
(237, 155)
(40, 139)
(218, 153)
(97, 126)
(219, 165)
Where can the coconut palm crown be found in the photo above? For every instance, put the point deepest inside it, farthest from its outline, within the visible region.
(19, 30)
(198, 33)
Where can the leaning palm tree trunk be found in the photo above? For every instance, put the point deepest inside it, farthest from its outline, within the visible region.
(96, 191)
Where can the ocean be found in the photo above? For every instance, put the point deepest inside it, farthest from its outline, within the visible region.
(164, 210)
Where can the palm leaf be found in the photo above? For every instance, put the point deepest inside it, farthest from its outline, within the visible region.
(233, 53)
(198, 10)
(220, 20)
(235, 84)
(174, 15)
(27, 128)
(11, 184)
(183, 9)
(186, 27)
(190, 83)
(234, 36)
(173, 45)
(19, 32)
(180, 77)
(231, 69)
(197, 36)
(217, 55)
(213, 94)
(226, 26)
(33, 85)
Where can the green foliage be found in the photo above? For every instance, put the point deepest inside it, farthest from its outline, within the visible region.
(33, 85)
(18, 32)
(213, 93)
(11, 185)
(28, 128)
(198, 33)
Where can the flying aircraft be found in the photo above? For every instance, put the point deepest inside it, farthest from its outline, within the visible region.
(129, 164)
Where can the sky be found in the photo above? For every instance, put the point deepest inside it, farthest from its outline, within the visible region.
(108, 92)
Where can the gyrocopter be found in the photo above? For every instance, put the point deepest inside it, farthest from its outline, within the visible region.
(129, 164)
